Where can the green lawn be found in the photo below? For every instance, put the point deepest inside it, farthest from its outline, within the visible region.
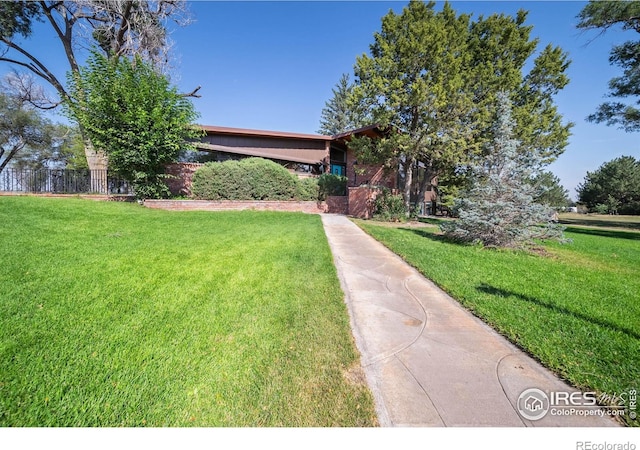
(116, 315)
(600, 220)
(577, 309)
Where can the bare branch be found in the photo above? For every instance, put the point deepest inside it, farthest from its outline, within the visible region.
(193, 93)
(24, 88)
(36, 67)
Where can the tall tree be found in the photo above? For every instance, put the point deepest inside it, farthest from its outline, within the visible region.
(21, 129)
(432, 78)
(549, 191)
(499, 208)
(118, 27)
(338, 115)
(613, 188)
(136, 116)
(604, 15)
(64, 150)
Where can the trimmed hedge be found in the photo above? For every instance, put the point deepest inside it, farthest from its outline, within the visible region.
(330, 184)
(250, 179)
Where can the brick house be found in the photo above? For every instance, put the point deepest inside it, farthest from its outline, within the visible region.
(304, 155)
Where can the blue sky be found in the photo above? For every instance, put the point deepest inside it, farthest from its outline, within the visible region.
(272, 65)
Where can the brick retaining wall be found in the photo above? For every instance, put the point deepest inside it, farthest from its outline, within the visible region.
(332, 205)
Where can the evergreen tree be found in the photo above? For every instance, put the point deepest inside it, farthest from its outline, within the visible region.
(604, 15)
(499, 209)
(613, 188)
(337, 114)
(433, 77)
(549, 191)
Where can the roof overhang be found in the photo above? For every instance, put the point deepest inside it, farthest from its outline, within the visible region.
(304, 157)
(209, 129)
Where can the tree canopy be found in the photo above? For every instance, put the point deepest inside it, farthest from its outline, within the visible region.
(337, 115)
(549, 191)
(433, 76)
(499, 208)
(132, 112)
(613, 188)
(23, 130)
(604, 15)
(118, 28)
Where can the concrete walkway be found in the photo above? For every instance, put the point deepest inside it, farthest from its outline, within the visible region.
(428, 361)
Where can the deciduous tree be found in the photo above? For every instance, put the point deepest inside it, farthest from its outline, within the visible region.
(117, 27)
(133, 113)
(22, 129)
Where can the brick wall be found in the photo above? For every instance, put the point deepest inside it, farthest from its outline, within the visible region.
(181, 177)
(359, 174)
(337, 204)
(361, 202)
(238, 205)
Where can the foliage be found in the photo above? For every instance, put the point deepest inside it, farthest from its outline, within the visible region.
(549, 191)
(134, 115)
(389, 207)
(604, 15)
(22, 129)
(330, 184)
(194, 319)
(64, 150)
(432, 77)
(499, 210)
(250, 179)
(307, 189)
(120, 28)
(337, 115)
(613, 188)
(575, 309)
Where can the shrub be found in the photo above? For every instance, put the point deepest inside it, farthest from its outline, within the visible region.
(221, 181)
(250, 179)
(269, 180)
(330, 184)
(307, 189)
(389, 207)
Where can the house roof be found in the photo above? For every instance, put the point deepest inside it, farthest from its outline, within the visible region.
(264, 133)
(374, 130)
(279, 145)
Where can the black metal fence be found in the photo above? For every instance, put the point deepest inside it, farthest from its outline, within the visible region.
(62, 181)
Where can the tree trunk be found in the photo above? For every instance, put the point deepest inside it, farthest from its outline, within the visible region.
(98, 164)
(408, 181)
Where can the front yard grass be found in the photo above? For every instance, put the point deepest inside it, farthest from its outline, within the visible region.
(601, 220)
(116, 315)
(576, 309)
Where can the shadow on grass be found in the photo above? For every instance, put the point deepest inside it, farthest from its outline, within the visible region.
(600, 223)
(488, 289)
(428, 234)
(605, 233)
(431, 220)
